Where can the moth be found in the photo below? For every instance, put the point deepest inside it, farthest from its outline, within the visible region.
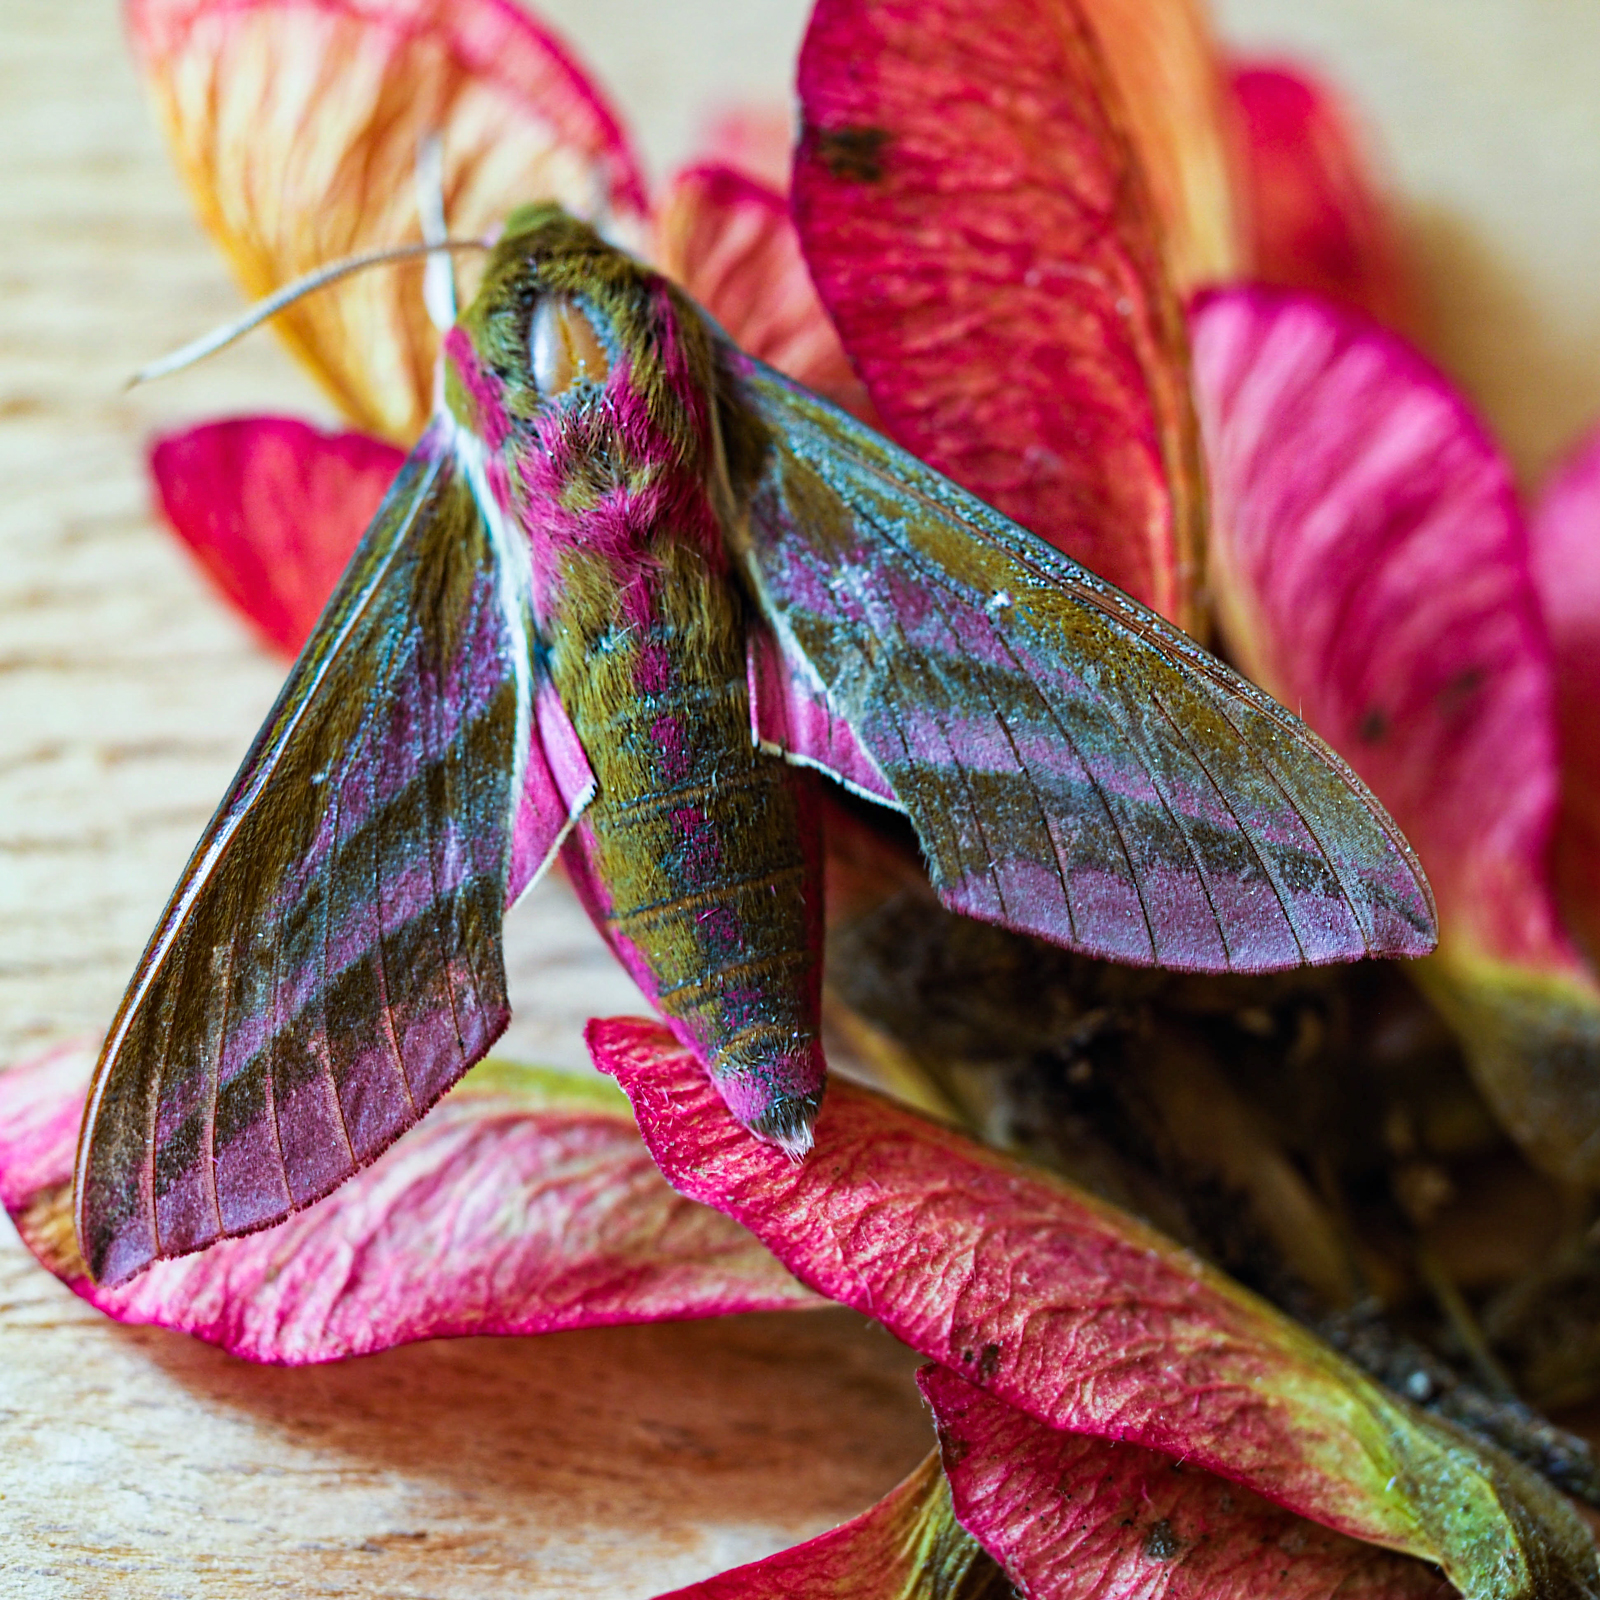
(628, 586)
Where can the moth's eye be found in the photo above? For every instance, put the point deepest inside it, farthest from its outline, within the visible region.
(563, 347)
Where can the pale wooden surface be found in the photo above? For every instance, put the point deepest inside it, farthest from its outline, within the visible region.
(618, 1463)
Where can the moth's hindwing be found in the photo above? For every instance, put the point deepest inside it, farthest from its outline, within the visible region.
(1074, 766)
(330, 962)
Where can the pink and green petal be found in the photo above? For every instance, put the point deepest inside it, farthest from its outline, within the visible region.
(908, 1546)
(1564, 537)
(272, 509)
(728, 239)
(978, 226)
(1370, 567)
(1076, 1518)
(524, 1203)
(1314, 210)
(297, 124)
(1090, 1321)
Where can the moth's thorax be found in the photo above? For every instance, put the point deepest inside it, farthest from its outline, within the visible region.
(590, 384)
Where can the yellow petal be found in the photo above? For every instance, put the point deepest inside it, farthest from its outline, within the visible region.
(297, 128)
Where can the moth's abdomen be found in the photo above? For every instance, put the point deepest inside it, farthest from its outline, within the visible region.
(698, 856)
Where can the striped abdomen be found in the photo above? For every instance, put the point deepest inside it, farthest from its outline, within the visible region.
(696, 856)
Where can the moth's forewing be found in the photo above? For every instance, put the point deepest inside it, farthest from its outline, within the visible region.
(1074, 766)
(330, 962)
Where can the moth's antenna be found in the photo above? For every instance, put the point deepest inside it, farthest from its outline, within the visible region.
(439, 276)
(219, 338)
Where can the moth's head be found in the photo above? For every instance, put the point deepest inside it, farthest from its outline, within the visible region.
(566, 323)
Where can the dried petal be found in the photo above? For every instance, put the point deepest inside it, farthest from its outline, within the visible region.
(1075, 1518)
(272, 508)
(978, 226)
(297, 128)
(1172, 93)
(524, 1203)
(1564, 540)
(907, 1547)
(1370, 567)
(729, 241)
(1315, 211)
(1090, 1321)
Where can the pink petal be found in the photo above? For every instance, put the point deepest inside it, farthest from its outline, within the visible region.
(978, 226)
(1317, 215)
(524, 1203)
(297, 126)
(1085, 1318)
(728, 240)
(1370, 566)
(757, 140)
(1564, 539)
(1075, 1518)
(272, 508)
(906, 1547)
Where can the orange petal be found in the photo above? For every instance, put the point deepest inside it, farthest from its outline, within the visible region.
(297, 128)
(1310, 199)
(1163, 63)
(728, 240)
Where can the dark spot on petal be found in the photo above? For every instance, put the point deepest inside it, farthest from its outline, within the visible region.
(988, 1360)
(1458, 692)
(1161, 1543)
(854, 154)
(1374, 726)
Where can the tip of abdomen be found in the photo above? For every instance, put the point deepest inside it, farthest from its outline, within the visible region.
(787, 1122)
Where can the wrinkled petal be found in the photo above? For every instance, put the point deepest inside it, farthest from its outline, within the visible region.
(1172, 92)
(1564, 539)
(1315, 212)
(907, 1547)
(297, 128)
(1370, 567)
(977, 225)
(273, 509)
(1075, 1518)
(1090, 1321)
(524, 1203)
(757, 140)
(728, 239)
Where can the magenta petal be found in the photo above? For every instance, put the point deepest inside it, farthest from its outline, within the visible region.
(1316, 212)
(1086, 1319)
(272, 508)
(1370, 566)
(1075, 1518)
(978, 225)
(1565, 541)
(523, 1203)
(727, 238)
